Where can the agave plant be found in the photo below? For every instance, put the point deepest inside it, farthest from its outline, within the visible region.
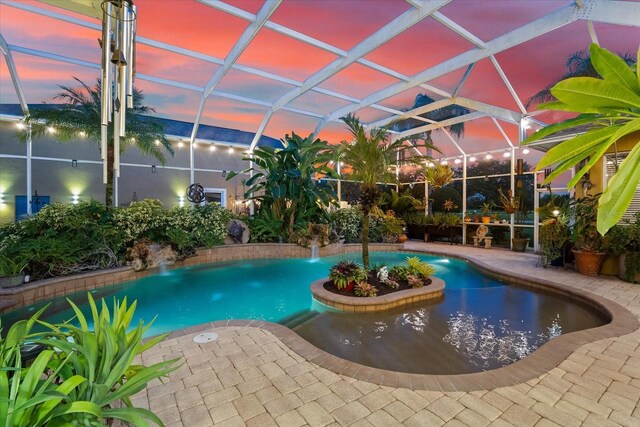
(610, 106)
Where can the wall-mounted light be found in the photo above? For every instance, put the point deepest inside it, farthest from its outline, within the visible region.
(586, 183)
(20, 125)
(224, 174)
(525, 151)
(230, 150)
(51, 129)
(180, 144)
(153, 168)
(212, 148)
(74, 163)
(1, 200)
(181, 201)
(488, 156)
(157, 142)
(75, 198)
(82, 134)
(472, 159)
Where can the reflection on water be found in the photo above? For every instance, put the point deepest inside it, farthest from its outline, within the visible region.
(470, 330)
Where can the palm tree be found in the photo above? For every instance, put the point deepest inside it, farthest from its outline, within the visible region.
(371, 156)
(578, 65)
(80, 116)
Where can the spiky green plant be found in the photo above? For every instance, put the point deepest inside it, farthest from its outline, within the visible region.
(79, 116)
(421, 268)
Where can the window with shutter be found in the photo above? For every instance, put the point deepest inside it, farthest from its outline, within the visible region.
(612, 160)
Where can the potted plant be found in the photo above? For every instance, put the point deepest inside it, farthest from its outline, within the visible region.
(467, 217)
(624, 241)
(509, 201)
(589, 243)
(554, 237)
(11, 271)
(519, 241)
(346, 274)
(486, 208)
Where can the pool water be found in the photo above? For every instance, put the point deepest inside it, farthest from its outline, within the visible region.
(484, 322)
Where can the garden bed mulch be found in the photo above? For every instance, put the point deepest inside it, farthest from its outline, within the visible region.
(373, 280)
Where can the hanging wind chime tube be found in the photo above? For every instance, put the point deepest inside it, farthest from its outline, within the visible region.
(118, 72)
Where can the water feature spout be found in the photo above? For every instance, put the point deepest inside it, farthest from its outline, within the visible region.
(315, 248)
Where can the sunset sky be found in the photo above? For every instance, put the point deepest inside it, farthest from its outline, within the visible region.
(341, 23)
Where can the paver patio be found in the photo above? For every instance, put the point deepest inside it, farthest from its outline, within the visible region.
(249, 377)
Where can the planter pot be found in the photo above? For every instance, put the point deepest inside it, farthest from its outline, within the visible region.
(496, 221)
(510, 210)
(557, 262)
(11, 281)
(486, 220)
(589, 263)
(520, 244)
(402, 238)
(622, 270)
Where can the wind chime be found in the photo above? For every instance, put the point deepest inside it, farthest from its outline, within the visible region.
(118, 71)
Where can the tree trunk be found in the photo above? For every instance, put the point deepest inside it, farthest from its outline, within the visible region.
(108, 196)
(365, 238)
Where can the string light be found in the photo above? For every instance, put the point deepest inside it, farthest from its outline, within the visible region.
(180, 144)
(20, 125)
(444, 162)
(488, 156)
(230, 150)
(525, 151)
(51, 129)
(506, 154)
(472, 158)
(82, 133)
(457, 161)
(212, 148)
(157, 142)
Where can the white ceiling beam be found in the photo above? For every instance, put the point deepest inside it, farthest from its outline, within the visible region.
(504, 134)
(412, 113)
(453, 141)
(463, 80)
(611, 12)
(499, 112)
(212, 59)
(377, 39)
(13, 71)
(247, 36)
(508, 84)
(458, 29)
(260, 131)
(445, 123)
(554, 20)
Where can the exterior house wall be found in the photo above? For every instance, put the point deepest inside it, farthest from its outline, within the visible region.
(59, 180)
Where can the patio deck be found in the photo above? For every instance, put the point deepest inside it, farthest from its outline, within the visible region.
(250, 377)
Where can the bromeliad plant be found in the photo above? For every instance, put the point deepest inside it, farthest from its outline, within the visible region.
(346, 274)
(610, 107)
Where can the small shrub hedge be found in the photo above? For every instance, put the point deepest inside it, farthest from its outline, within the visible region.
(66, 239)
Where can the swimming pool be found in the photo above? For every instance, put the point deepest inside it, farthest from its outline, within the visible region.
(481, 320)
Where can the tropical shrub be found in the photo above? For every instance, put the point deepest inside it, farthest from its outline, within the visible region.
(415, 281)
(608, 107)
(347, 223)
(364, 289)
(284, 182)
(420, 268)
(346, 272)
(554, 235)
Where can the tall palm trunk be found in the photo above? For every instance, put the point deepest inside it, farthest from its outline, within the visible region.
(365, 236)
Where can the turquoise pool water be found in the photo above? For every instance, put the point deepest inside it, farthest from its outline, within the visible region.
(480, 323)
(265, 289)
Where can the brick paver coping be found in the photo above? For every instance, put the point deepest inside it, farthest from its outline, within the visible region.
(541, 361)
(383, 302)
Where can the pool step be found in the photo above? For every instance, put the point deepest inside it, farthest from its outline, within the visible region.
(298, 318)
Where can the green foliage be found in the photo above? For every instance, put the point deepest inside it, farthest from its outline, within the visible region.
(625, 239)
(104, 356)
(585, 233)
(632, 267)
(400, 203)
(12, 266)
(609, 105)
(364, 289)
(420, 268)
(346, 272)
(440, 195)
(66, 239)
(348, 223)
(81, 373)
(399, 272)
(438, 175)
(284, 182)
(554, 235)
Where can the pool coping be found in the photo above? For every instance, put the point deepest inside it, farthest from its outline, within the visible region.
(539, 362)
(379, 303)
